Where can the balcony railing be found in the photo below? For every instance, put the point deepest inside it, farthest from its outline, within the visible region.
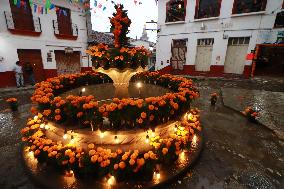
(19, 26)
(65, 35)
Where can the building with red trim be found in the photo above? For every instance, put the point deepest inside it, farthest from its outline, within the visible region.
(53, 41)
(215, 37)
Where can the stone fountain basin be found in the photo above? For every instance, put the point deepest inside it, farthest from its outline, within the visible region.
(126, 140)
(46, 176)
(107, 91)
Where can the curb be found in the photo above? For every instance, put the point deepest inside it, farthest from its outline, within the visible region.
(9, 90)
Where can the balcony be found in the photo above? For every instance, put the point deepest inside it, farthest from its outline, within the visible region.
(21, 24)
(65, 30)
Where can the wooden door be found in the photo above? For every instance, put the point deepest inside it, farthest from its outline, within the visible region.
(236, 55)
(64, 21)
(22, 15)
(34, 58)
(67, 63)
(179, 50)
(204, 54)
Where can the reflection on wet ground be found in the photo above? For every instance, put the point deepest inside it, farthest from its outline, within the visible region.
(236, 154)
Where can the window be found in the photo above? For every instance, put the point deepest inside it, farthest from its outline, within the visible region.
(64, 21)
(175, 10)
(239, 41)
(205, 42)
(247, 6)
(207, 8)
(279, 22)
(22, 16)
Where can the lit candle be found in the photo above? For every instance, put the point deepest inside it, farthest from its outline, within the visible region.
(194, 140)
(83, 90)
(139, 85)
(101, 133)
(42, 126)
(115, 138)
(190, 117)
(65, 136)
(182, 156)
(72, 141)
(158, 175)
(153, 133)
(31, 154)
(35, 118)
(111, 180)
(147, 139)
(175, 128)
(46, 127)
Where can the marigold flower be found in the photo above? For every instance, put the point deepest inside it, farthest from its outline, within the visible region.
(102, 109)
(115, 166)
(140, 162)
(151, 118)
(165, 151)
(146, 155)
(79, 114)
(140, 121)
(131, 161)
(151, 107)
(143, 115)
(57, 117)
(47, 112)
(91, 146)
(122, 165)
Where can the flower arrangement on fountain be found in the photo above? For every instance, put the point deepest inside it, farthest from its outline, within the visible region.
(169, 113)
(139, 113)
(99, 161)
(121, 55)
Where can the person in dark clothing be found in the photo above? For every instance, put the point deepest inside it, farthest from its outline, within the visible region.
(29, 70)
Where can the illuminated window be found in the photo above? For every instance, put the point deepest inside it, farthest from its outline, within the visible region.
(247, 6)
(175, 10)
(207, 8)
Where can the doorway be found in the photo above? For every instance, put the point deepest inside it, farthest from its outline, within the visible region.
(32, 56)
(204, 54)
(236, 55)
(179, 50)
(67, 63)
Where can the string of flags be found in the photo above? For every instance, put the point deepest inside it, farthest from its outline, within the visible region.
(100, 4)
(43, 6)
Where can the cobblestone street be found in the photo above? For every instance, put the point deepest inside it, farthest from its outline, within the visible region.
(236, 153)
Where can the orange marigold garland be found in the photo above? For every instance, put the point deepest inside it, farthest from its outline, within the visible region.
(100, 161)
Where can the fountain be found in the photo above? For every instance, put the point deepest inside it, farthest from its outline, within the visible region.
(113, 59)
(149, 140)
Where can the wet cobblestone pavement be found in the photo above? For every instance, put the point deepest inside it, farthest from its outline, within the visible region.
(236, 154)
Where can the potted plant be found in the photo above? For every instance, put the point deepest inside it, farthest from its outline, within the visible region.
(13, 103)
(250, 114)
(214, 97)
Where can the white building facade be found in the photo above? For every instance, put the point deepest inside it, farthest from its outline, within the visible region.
(53, 41)
(214, 37)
